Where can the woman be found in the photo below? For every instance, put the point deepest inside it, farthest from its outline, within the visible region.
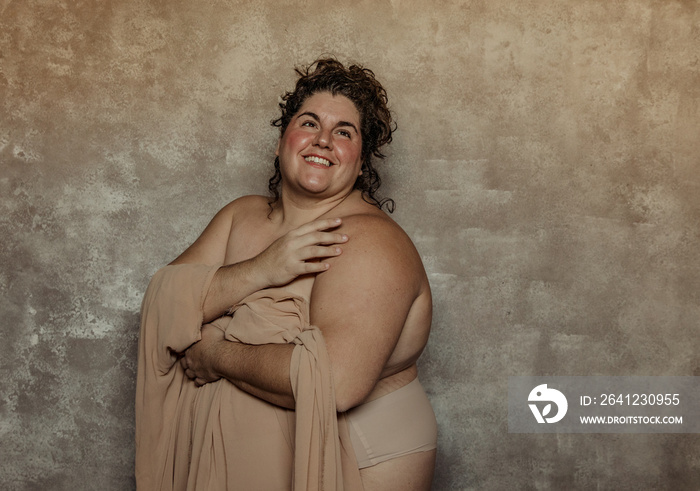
(324, 237)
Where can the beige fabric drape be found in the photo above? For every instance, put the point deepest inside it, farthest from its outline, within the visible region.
(218, 437)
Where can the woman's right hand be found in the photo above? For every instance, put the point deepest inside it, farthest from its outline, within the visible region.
(299, 252)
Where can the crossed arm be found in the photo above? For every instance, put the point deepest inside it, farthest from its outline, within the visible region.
(360, 301)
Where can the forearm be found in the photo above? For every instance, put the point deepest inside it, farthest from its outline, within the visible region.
(230, 285)
(260, 370)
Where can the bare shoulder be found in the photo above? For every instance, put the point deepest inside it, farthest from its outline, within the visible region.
(244, 205)
(238, 207)
(210, 247)
(246, 212)
(378, 241)
(373, 222)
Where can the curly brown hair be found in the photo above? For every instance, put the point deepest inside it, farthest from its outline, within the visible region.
(360, 86)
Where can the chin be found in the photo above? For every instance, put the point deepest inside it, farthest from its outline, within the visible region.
(314, 186)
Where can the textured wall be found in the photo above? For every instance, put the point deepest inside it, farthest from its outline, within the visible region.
(546, 166)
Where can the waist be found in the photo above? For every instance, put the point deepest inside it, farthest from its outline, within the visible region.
(392, 383)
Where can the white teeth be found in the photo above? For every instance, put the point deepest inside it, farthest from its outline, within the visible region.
(318, 160)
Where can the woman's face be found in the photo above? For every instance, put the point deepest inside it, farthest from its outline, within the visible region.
(320, 152)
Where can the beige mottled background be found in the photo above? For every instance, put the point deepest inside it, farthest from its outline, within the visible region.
(546, 166)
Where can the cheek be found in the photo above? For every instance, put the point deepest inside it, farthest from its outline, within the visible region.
(293, 140)
(351, 151)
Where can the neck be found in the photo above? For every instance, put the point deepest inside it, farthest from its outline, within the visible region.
(294, 211)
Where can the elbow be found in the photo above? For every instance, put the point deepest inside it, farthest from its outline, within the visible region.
(347, 397)
(342, 405)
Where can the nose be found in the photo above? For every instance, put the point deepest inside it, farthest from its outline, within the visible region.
(324, 139)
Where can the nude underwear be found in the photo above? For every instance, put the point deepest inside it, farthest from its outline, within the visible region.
(397, 424)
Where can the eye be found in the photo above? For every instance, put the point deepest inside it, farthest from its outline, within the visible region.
(309, 123)
(344, 133)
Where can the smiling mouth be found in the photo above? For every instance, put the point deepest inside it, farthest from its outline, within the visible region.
(318, 160)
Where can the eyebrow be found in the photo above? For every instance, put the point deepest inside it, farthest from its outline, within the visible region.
(340, 123)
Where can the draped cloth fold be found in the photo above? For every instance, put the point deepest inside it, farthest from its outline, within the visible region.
(218, 437)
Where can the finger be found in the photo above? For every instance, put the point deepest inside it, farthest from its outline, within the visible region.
(328, 238)
(313, 252)
(190, 374)
(183, 363)
(310, 268)
(199, 382)
(317, 238)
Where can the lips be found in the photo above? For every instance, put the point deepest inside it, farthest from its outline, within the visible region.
(318, 160)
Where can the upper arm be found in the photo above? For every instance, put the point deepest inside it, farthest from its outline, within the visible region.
(361, 303)
(210, 246)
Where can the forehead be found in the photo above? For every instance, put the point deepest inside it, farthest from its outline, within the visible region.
(327, 105)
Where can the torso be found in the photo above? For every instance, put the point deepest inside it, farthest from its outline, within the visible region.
(252, 231)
